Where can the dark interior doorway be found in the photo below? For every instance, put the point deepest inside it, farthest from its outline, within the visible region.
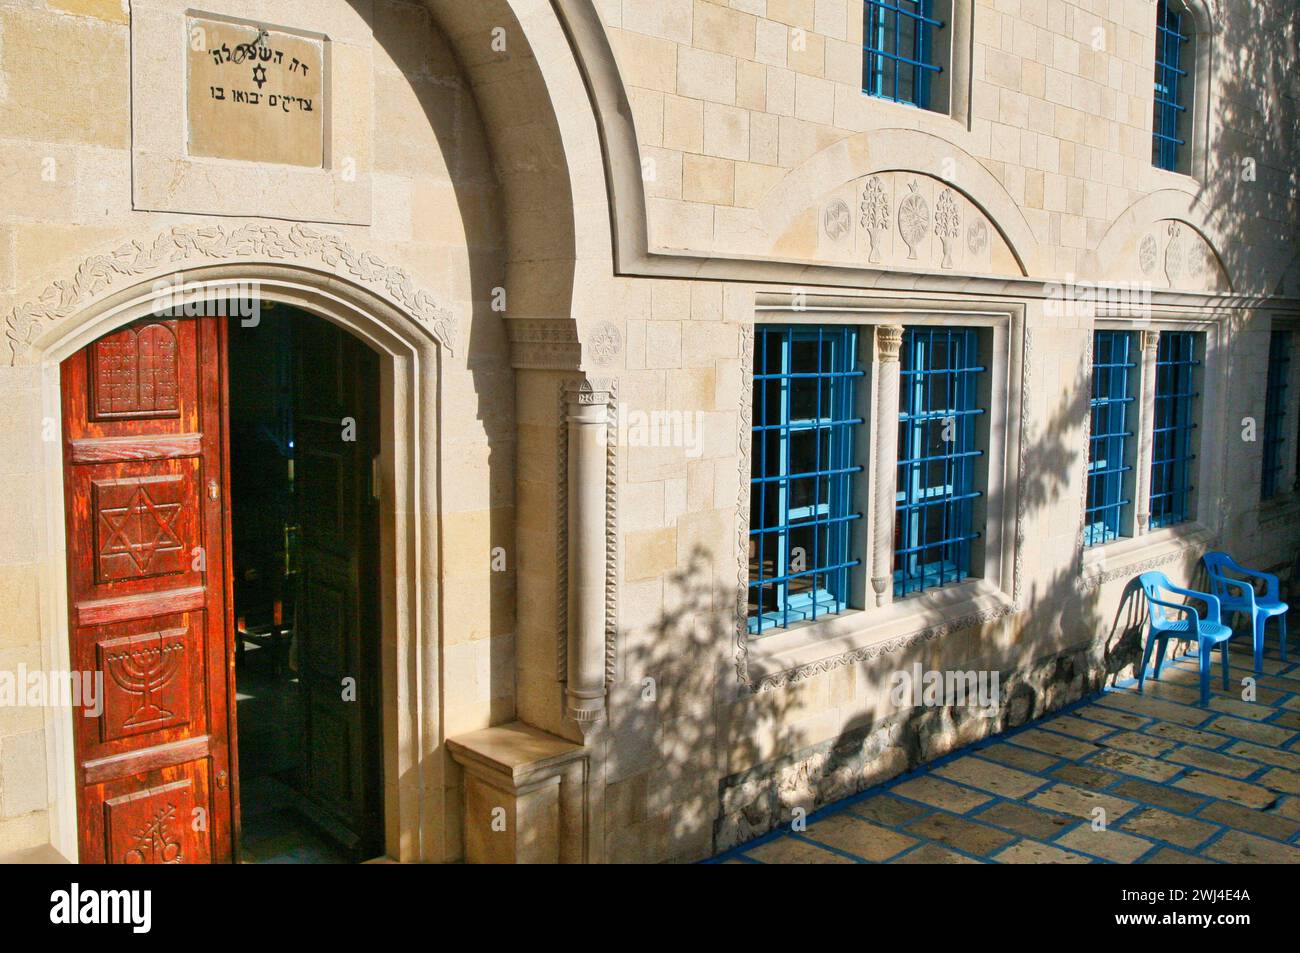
(304, 433)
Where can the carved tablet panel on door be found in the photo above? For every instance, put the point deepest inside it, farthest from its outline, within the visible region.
(133, 373)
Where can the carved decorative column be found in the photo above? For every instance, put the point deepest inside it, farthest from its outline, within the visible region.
(889, 339)
(1150, 344)
(588, 422)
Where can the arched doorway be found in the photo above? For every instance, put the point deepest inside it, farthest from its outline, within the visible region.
(223, 467)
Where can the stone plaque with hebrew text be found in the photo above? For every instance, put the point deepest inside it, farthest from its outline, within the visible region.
(255, 93)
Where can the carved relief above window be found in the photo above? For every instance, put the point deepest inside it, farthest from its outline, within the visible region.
(904, 219)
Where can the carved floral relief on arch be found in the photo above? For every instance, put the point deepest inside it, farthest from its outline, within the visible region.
(1171, 254)
(900, 219)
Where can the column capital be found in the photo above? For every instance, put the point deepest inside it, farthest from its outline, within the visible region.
(889, 341)
(590, 392)
(1150, 340)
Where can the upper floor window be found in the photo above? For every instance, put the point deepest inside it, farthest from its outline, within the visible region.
(1173, 433)
(1279, 360)
(805, 418)
(939, 374)
(1173, 86)
(1111, 448)
(901, 47)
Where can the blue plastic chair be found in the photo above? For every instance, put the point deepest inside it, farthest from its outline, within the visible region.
(1205, 632)
(1238, 595)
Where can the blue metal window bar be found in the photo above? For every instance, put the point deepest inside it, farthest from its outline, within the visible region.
(935, 497)
(1279, 361)
(801, 489)
(898, 47)
(1174, 427)
(1108, 466)
(1169, 87)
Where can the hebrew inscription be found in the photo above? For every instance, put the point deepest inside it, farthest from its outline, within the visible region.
(255, 93)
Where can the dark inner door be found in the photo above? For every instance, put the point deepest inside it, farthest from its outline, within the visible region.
(304, 414)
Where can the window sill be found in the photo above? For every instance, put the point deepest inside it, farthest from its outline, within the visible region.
(857, 634)
(1134, 554)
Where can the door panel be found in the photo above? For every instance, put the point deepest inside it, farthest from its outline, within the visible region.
(336, 397)
(144, 483)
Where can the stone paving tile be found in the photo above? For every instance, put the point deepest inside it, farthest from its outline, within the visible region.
(1112, 716)
(1289, 808)
(1235, 847)
(1166, 855)
(1028, 821)
(1226, 789)
(1274, 756)
(1213, 761)
(1032, 852)
(1288, 720)
(1084, 776)
(961, 834)
(1252, 731)
(1109, 844)
(939, 793)
(1051, 743)
(1135, 764)
(934, 854)
(858, 837)
(1185, 735)
(1078, 728)
(1138, 743)
(1172, 828)
(1178, 783)
(1275, 824)
(1022, 758)
(987, 776)
(887, 810)
(1081, 803)
(1166, 711)
(791, 850)
(1159, 795)
(1287, 782)
(1247, 710)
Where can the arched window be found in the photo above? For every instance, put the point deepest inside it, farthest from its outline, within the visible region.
(1175, 84)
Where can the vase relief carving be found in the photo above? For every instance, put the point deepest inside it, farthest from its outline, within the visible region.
(913, 219)
(1174, 253)
(875, 216)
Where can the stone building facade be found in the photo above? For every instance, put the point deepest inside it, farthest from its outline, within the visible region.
(565, 227)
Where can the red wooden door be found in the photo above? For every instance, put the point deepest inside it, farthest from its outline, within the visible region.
(145, 486)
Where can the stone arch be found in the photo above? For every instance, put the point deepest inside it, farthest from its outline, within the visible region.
(880, 150)
(1115, 256)
(410, 352)
(547, 152)
(34, 327)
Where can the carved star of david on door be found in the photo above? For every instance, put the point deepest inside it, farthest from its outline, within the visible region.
(140, 529)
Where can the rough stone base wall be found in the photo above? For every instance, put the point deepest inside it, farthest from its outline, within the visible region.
(756, 801)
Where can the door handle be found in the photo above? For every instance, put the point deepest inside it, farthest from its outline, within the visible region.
(214, 490)
(222, 779)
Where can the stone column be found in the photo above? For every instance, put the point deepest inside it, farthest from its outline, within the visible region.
(1150, 342)
(588, 421)
(889, 339)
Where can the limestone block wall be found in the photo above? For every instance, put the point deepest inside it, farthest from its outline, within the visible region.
(432, 210)
(730, 98)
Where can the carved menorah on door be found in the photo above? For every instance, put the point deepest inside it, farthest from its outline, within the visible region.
(142, 672)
